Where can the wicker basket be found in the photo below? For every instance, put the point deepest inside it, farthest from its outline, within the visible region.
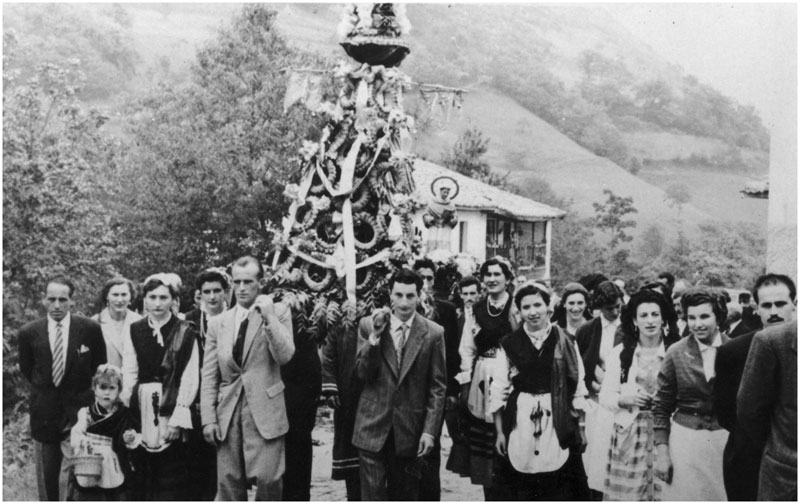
(88, 465)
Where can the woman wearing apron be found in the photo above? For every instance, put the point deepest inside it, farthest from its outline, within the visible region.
(161, 378)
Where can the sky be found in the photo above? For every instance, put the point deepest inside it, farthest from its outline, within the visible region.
(747, 51)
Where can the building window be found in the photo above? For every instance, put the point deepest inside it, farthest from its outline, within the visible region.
(524, 243)
(462, 236)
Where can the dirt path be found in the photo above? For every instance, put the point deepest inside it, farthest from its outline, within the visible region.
(323, 488)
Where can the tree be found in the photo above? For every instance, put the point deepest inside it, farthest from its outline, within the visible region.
(466, 158)
(54, 170)
(54, 164)
(99, 40)
(204, 183)
(652, 242)
(677, 195)
(610, 217)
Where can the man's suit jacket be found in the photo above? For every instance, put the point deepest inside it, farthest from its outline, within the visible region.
(588, 337)
(767, 408)
(741, 329)
(741, 459)
(54, 410)
(259, 377)
(408, 401)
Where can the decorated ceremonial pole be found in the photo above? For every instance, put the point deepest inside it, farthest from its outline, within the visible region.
(349, 224)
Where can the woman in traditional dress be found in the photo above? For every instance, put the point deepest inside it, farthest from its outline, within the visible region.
(116, 318)
(161, 378)
(573, 309)
(534, 394)
(628, 390)
(690, 442)
(493, 318)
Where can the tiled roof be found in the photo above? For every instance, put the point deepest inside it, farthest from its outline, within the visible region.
(477, 195)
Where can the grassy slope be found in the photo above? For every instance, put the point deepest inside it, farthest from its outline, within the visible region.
(572, 171)
(515, 133)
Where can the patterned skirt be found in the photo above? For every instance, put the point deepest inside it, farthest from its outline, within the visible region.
(631, 461)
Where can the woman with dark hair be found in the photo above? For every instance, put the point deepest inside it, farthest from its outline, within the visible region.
(573, 309)
(534, 395)
(480, 340)
(628, 390)
(161, 378)
(116, 318)
(690, 442)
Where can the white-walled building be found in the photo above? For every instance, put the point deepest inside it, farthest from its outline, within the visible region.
(494, 222)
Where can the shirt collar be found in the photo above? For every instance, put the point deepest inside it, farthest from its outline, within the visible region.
(51, 324)
(607, 323)
(538, 335)
(396, 322)
(717, 341)
(241, 312)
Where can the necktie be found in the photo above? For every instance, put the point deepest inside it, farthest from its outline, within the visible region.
(58, 356)
(238, 346)
(402, 332)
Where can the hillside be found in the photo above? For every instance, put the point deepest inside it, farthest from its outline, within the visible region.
(525, 145)
(570, 54)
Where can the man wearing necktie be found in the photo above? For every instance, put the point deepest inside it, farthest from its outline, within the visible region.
(242, 405)
(401, 362)
(58, 355)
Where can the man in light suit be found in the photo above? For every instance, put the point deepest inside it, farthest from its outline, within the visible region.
(401, 362)
(242, 405)
(767, 409)
(58, 355)
(775, 298)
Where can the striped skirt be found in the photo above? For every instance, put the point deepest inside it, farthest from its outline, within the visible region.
(631, 461)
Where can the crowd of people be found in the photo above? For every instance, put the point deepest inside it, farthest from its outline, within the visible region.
(594, 393)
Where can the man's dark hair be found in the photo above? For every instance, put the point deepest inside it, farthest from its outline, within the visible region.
(697, 296)
(665, 289)
(669, 277)
(774, 279)
(62, 280)
(210, 276)
(744, 298)
(406, 277)
(531, 290)
(467, 281)
(605, 294)
(244, 261)
(592, 280)
(496, 262)
(424, 263)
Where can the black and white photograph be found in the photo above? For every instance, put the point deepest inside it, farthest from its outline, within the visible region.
(400, 252)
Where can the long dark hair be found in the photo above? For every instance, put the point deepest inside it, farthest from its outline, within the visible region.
(630, 336)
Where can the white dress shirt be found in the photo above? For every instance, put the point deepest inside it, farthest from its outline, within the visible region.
(709, 354)
(607, 339)
(51, 334)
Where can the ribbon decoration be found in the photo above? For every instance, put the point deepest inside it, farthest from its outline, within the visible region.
(341, 191)
(380, 256)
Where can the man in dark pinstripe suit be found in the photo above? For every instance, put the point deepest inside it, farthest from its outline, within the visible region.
(401, 362)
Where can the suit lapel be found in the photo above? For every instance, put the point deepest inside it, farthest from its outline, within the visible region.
(41, 331)
(418, 331)
(72, 344)
(388, 351)
(254, 324)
